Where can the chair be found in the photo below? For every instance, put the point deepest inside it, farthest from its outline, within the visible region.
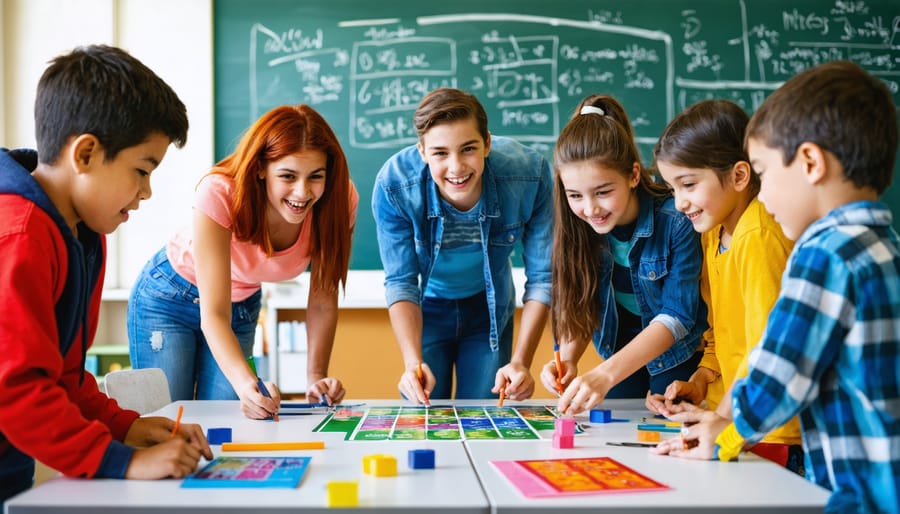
(142, 390)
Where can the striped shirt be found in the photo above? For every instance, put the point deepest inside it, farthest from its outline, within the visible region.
(831, 353)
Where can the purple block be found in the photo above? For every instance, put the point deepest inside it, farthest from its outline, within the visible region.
(421, 459)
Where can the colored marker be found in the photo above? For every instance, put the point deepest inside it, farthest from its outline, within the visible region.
(502, 395)
(325, 401)
(658, 427)
(559, 368)
(263, 447)
(177, 420)
(421, 376)
(631, 444)
(265, 392)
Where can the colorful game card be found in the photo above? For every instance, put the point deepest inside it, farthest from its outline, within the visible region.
(249, 472)
(441, 422)
(566, 477)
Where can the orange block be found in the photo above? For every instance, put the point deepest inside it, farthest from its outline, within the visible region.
(649, 436)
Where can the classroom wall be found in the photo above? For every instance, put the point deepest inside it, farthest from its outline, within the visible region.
(174, 38)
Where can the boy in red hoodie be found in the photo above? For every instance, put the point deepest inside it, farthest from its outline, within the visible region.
(103, 123)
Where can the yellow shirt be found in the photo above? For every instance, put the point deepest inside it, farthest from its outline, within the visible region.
(741, 287)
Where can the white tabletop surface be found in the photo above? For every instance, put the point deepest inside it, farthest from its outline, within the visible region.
(750, 485)
(464, 481)
(450, 488)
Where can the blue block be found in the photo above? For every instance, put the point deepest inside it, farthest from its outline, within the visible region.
(421, 459)
(601, 415)
(218, 435)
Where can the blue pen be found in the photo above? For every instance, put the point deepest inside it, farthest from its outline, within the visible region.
(325, 401)
(265, 392)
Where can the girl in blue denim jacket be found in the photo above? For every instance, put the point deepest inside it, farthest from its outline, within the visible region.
(626, 267)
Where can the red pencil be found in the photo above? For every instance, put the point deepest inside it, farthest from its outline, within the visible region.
(178, 420)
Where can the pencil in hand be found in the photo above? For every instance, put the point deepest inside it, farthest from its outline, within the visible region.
(265, 392)
(177, 420)
(421, 376)
(559, 369)
(502, 395)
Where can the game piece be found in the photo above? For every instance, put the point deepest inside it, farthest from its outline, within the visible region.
(218, 435)
(367, 461)
(565, 426)
(601, 415)
(563, 442)
(384, 466)
(441, 422)
(565, 477)
(421, 459)
(648, 436)
(343, 493)
(253, 472)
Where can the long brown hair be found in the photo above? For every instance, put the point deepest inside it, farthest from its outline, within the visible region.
(602, 135)
(284, 131)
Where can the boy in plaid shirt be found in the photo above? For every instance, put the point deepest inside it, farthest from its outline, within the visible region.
(824, 146)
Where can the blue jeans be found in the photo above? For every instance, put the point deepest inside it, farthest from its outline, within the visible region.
(164, 332)
(456, 333)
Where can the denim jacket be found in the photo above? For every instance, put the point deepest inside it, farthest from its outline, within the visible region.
(517, 205)
(666, 260)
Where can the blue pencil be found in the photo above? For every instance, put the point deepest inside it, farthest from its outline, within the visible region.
(265, 392)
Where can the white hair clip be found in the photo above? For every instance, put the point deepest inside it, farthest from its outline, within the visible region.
(590, 109)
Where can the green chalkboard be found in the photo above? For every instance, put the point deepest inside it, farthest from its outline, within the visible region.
(365, 65)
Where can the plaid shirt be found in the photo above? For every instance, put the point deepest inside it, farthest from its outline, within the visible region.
(831, 353)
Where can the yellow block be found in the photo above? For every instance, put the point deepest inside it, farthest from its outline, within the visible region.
(384, 466)
(343, 493)
(368, 460)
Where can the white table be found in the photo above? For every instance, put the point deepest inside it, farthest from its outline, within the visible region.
(751, 485)
(464, 481)
(452, 488)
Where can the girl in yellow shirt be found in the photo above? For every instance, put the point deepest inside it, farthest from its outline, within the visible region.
(701, 156)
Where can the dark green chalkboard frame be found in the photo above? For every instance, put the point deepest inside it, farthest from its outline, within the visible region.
(364, 65)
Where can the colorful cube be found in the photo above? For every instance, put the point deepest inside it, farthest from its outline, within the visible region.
(421, 459)
(218, 435)
(563, 442)
(343, 493)
(601, 416)
(384, 466)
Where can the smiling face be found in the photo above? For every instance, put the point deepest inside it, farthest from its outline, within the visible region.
(455, 153)
(700, 195)
(105, 191)
(294, 184)
(602, 197)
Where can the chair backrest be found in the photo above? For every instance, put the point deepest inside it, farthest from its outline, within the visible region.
(143, 390)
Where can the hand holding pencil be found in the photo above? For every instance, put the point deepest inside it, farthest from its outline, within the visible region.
(414, 382)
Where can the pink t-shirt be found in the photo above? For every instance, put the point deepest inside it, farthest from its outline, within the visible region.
(250, 266)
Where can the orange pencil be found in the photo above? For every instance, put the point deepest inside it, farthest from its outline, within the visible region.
(421, 377)
(178, 420)
(502, 395)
